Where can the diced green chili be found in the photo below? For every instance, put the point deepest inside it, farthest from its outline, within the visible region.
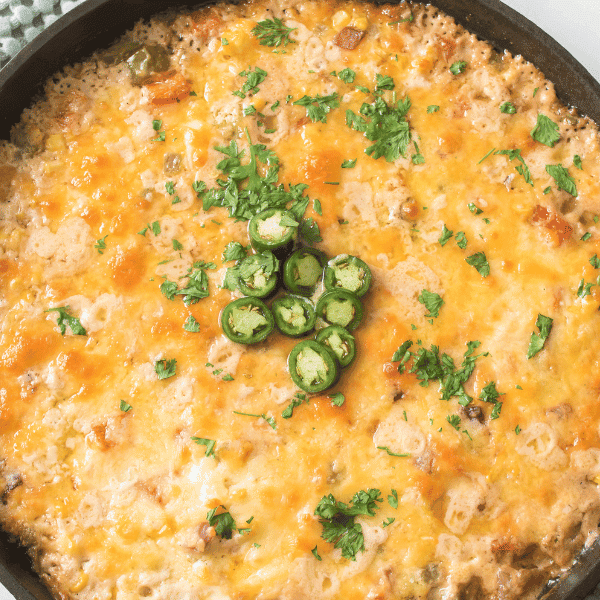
(303, 270)
(258, 275)
(247, 321)
(273, 229)
(348, 273)
(340, 307)
(294, 316)
(312, 367)
(340, 342)
(147, 60)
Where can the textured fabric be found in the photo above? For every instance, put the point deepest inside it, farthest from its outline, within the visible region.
(23, 20)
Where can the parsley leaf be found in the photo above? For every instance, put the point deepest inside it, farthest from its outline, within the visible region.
(479, 261)
(197, 284)
(316, 554)
(123, 406)
(253, 80)
(474, 208)
(210, 445)
(223, 522)
(338, 520)
(273, 33)
(522, 169)
(393, 499)
(489, 393)
(458, 67)
(562, 179)
(595, 261)
(191, 325)
(454, 420)
(496, 411)
(65, 319)
(432, 302)
(446, 235)
(168, 289)
(309, 231)
(347, 75)
(461, 240)
(508, 108)
(318, 107)
(165, 368)
(387, 127)
(296, 401)
(577, 162)
(177, 245)
(537, 341)
(337, 399)
(417, 158)
(383, 82)
(432, 108)
(269, 420)
(101, 244)
(392, 453)
(349, 164)
(545, 131)
(234, 251)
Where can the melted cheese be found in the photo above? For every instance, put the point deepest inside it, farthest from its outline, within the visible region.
(116, 501)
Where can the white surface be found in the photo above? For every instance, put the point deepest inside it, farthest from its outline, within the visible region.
(573, 23)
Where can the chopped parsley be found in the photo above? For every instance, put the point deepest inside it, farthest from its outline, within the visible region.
(586, 236)
(273, 33)
(562, 179)
(487, 154)
(168, 289)
(577, 162)
(392, 453)
(253, 80)
(417, 158)
(545, 131)
(347, 75)
(446, 236)
(454, 420)
(383, 82)
(234, 251)
(309, 231)
(165, 368)
(177, 245)
(316, 553)
(387, 127)
(479, 261)
(170, 187)
(474, 208)
(388, 521)
(223, 522)
(432, 108)
(156, 125)
(210, 445)
(508, 108)
(317, 206)
(318, 107)
(123, 406)
(101, 244)
(489, 393)
(595, 261)
(428, 366)
(393, 499)
(337, 399)
(227, 377)
(196, 287)
(246, 191)
(547, 190)
(461, 240)
(269, 420)
(298, 399)
(338, 520)
(349, 164)
(517, 430)
(432, 302)
(458, 67)
(522, 169)
(191, 325)
(537, 341)
(496, 411)
(64, 319)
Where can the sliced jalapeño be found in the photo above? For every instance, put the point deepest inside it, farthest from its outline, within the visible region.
(258, 275)
(348, 273)
(303, 270)
(340, 307)
(294, 316)
(273, 229)
(312, 367)
(247, 320)
(340, 342)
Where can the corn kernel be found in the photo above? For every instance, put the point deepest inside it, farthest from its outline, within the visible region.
(360, 23)
(596, 480)
(259, 103)
(55, 143)
(52, 167)
(340, 19)
(80, 583)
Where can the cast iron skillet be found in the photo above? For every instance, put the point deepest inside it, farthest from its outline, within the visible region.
(97, 23)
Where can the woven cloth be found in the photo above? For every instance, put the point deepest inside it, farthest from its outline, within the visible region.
(22, 20)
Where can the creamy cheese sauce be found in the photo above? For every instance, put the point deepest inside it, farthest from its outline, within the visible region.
(99, 469)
